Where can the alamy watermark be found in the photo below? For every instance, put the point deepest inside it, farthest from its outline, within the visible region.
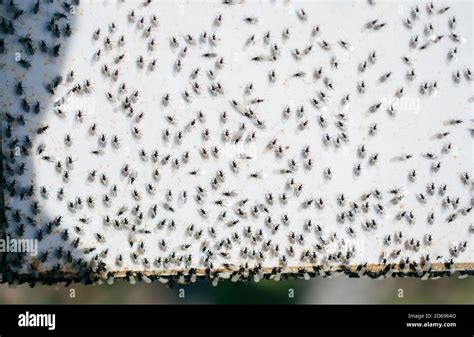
(12, 245)
(404, 104)
(233, 151)
(37, 320)
(85, 104)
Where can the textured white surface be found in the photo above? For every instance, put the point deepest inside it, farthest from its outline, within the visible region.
(412, 130)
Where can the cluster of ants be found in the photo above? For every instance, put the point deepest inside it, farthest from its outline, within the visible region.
(163, 200)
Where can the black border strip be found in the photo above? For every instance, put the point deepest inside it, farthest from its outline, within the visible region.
(213, 319)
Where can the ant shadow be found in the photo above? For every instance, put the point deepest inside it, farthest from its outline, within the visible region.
(35, 37)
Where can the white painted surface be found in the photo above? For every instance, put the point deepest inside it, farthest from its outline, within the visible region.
(412, 131)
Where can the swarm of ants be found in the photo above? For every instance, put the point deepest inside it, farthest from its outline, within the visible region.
(194, 168)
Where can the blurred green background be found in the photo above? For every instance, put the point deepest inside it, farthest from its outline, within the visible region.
(327, 291)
